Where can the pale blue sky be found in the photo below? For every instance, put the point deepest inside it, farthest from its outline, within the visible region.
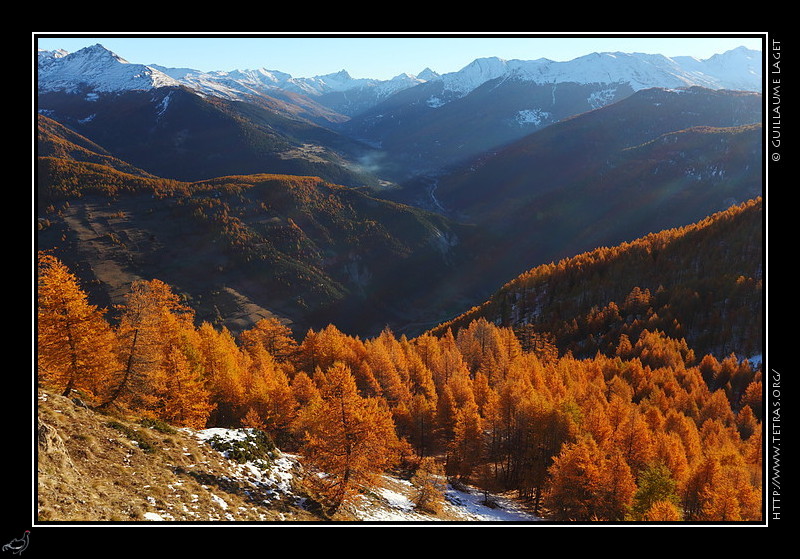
(380, 57)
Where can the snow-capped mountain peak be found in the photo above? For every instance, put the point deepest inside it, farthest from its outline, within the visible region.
(736, 69)
(427, 74)
(476, 73)
(49, 55)
(97, 69)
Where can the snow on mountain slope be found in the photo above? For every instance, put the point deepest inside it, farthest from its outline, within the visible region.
(740, 68)
(227, 84)
(480, 71)
(736, 69)
(236, 83)
(641, 71)
(97, 69)
(101, 70)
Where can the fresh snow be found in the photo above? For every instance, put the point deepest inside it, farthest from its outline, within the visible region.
(238, 83)
(477, 73)
(99, 69)
(387, 503)
(459, 507)
(737, 69)
(532, 116)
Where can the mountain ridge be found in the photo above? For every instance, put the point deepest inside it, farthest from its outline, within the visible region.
(263, 244)
(58, 71)
(170, 130)
(644, 283)
(97, 69)
(175, 133)
(416, 125)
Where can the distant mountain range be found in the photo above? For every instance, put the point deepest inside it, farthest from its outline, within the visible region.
(367, 202)
(98, 69)
(419, 123)
(493, 102)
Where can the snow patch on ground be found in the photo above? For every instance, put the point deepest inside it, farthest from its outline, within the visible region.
(435, 102)
(390, 501)
(532, 116)
(275, 482)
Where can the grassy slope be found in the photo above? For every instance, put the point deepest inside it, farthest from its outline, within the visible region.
(106, 468)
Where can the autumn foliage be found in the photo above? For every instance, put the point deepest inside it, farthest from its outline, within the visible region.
(649, 432)
(702, 283)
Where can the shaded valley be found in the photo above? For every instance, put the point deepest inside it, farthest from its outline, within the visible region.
(313, 251)
(241, 248)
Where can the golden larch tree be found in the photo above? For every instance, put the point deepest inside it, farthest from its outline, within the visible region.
(269, 394)
(224, 367)
(465, 452)
(349, 439)
(184, 400)
(140, 341)
(577, 482)
(429, 485)
(75, 345)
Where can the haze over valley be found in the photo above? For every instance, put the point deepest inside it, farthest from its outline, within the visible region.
(525, 155)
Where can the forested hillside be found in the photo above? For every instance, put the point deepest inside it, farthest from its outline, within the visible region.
(239, 247)
(653, 431)
(702, 283)
(174, 132)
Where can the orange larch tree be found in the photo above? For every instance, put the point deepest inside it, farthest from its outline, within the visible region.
(177, 390)
(576, 488)
(465, 452)
(268, 395)
(349, 439)
(224, 366)
(275, 336)
(183, 397)
(75, 345)
(141, 337)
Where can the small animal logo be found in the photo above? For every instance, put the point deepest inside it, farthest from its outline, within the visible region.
(18, 545)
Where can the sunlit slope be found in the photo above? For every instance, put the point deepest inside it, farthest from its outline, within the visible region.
(302, 247)
(703, 282)
(173, 132)
(656, 160)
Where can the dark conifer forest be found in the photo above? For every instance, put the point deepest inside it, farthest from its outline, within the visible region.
(636, 408)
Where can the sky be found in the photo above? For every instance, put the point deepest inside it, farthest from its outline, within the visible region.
(378, 57)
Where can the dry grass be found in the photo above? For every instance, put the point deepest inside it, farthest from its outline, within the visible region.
(108, 468)
(99, 468)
